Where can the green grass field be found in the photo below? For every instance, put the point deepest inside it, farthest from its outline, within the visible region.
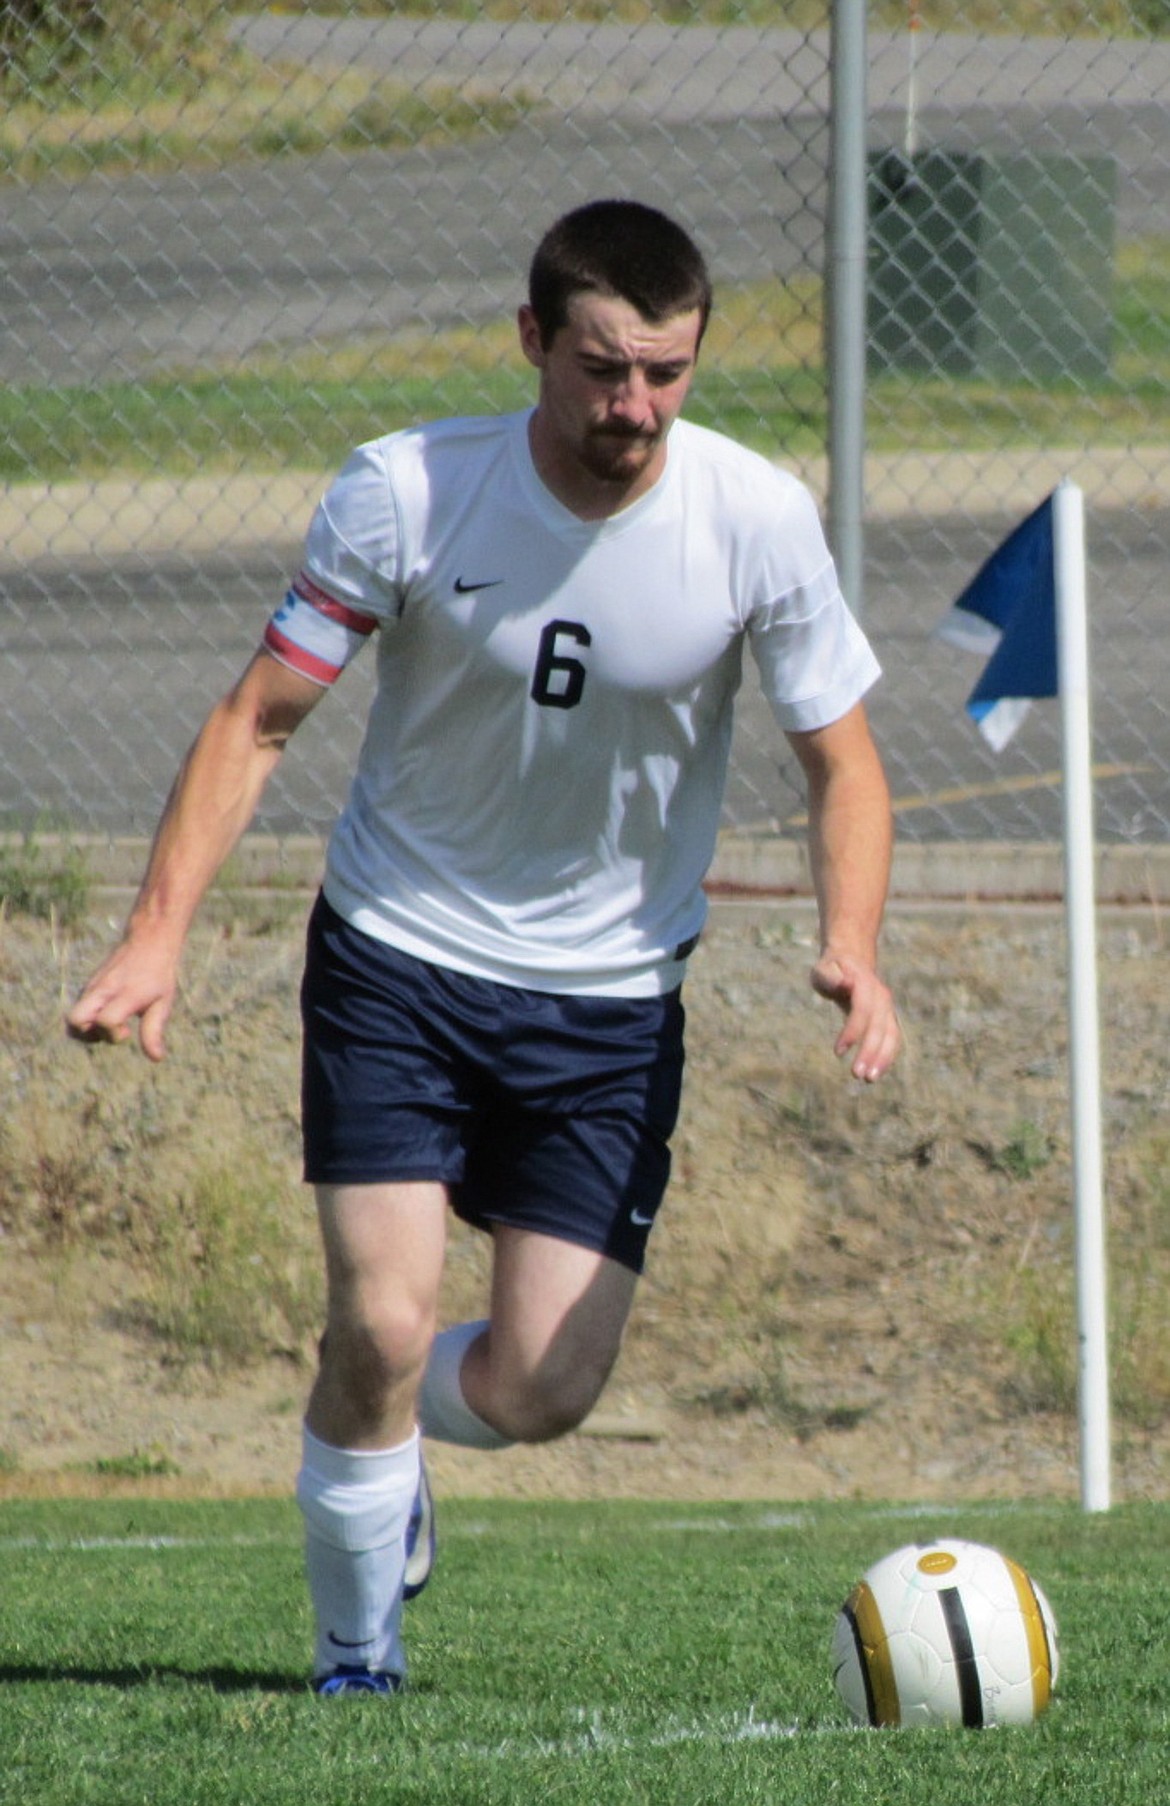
(155, 1652)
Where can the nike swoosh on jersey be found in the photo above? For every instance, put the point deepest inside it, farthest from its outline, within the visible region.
(467, 589)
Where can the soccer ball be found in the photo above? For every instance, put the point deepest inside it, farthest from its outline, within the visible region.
(945, 1633)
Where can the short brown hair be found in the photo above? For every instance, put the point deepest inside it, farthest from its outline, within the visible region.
(621, 248)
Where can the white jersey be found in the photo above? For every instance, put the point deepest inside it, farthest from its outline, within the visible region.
(539, 790)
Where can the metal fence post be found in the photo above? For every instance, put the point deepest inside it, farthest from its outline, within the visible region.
(845, 273)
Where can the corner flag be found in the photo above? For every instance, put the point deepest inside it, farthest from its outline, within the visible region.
(1028, 608)
(1008, 611)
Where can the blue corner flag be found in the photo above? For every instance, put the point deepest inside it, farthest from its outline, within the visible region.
(1009, 612)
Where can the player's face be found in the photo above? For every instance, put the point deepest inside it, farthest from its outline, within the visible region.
(611, 387)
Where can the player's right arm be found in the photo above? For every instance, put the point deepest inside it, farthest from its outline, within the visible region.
(210, 805)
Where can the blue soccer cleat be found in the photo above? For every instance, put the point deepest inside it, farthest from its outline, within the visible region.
(344, 1681)
(420, 1539)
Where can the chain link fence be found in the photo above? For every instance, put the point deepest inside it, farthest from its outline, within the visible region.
(234, 244)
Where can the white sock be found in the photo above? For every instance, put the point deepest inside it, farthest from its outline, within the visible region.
(443, 1412)
(356, 1505)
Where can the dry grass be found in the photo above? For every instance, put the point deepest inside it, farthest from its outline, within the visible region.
(874, 1275)
(1073, 18)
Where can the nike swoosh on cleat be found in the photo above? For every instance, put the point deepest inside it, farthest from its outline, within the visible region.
(467, 589)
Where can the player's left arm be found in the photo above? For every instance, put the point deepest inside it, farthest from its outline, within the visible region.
(850, 846)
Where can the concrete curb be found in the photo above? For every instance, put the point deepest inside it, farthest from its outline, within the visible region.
(745, 864)
(949, 871)
(156, 516)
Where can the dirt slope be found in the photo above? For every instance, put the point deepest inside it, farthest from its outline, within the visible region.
(852, 1292)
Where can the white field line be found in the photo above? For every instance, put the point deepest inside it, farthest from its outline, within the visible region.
(597, 1739)
(769, 1518)
(796, 1519)
(766, 1520)
(84, 1545)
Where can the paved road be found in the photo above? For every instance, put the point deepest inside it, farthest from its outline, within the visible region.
(118, 277)
(108, 669)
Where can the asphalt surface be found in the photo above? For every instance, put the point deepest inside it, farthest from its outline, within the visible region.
(121, 276)
(109, 667)
(114, 648)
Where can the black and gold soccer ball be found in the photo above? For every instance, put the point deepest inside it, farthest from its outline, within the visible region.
(949, 1632)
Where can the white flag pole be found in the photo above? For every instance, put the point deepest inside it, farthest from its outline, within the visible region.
(1068, 520)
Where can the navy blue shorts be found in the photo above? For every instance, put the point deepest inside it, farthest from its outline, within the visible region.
(546, 1112)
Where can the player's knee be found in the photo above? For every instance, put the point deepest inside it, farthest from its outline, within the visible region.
(550, 1403)
(372, 1354)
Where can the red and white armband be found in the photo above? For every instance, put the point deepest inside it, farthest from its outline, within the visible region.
(315, 634)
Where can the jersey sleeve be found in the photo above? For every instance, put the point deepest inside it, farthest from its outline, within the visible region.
(348, 583)
(814, 660)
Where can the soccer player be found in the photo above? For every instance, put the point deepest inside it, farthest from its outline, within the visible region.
(560, 600)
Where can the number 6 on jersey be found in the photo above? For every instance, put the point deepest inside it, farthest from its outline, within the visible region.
(557, 681)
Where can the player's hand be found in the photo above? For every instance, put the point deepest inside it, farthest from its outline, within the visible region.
(134, 981)
(870, 1032)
